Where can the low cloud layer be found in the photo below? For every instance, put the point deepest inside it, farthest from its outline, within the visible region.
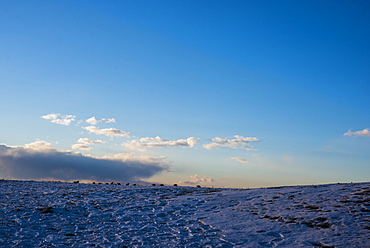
(197, 179)
(60, 119)
(240, 160)
(39, 161)
(238, 142)
(365, 133)
(106, 131)
(159, 142)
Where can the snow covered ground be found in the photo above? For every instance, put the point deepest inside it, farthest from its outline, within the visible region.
(55, 214)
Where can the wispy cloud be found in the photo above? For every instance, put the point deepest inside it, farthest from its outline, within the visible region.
(106, 131)
(241, 160)
(82, 147)
(29, 163)
(59, 119)
(89, 142)
(94, 121)
(130, 157)
(238, 142)
(159, 142)
(84, 142)
(365, 133)
(197, 179)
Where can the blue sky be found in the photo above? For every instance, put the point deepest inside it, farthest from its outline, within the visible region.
(222, 93)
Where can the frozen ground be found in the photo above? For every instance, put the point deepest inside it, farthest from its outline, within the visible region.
(47, 214)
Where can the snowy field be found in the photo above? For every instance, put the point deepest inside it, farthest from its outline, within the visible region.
(54, 214)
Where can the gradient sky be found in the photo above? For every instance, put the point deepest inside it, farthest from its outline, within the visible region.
(217, 93)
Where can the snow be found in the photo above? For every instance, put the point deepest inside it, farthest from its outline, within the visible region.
(47, 214)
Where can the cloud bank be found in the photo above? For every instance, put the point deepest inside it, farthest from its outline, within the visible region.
(365, 133)
(59, 119)
(238, 142)
(40, 161)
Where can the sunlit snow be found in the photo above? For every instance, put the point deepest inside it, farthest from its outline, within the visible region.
(47, 214)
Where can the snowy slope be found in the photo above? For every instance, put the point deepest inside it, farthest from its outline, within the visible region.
(47, 214)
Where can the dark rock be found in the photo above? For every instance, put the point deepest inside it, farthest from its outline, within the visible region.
(46, 210)
(324, 225)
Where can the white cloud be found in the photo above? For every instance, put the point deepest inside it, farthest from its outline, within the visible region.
(241, 160)
(159, 142)
(106, 131)
(89, 142)
(84, 142)
(59, 119)
(365, 133)
(94, 121)
(50, 116)
(82, 147)
(196, 179)
(108, 120)
(39, 145)
(238, 142)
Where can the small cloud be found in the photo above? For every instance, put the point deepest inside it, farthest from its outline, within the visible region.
(238, 142)
(82, 147)
(196, 179)
(59, 119)
(106, 131)
(241, 160)
(365, 133)
(89, 142)
(94, 121)
(84, 142)
(108, 120)
(159, 142)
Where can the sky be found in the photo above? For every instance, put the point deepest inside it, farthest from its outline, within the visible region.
(212, 93)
